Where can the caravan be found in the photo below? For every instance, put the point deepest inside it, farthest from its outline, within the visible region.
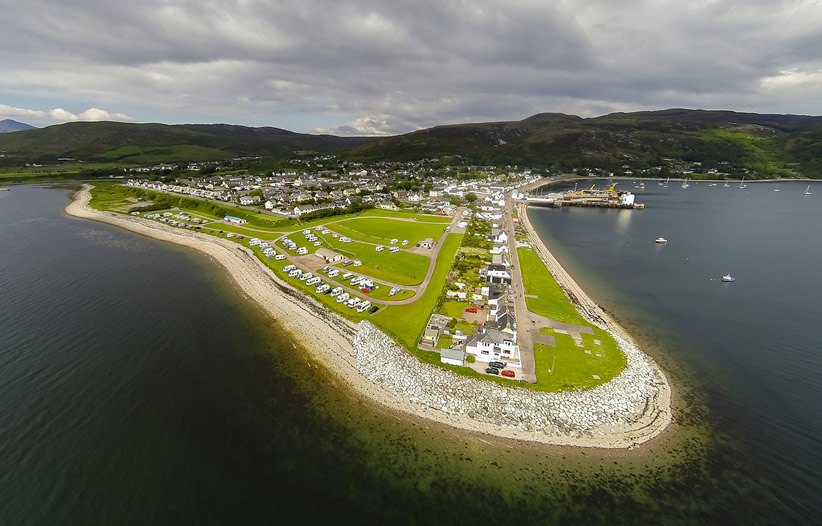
(289, 268)
(313, 281)
(363, 306)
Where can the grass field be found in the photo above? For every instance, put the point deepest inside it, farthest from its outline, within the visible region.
(405, 323)
(453, 309)
(573, 368)
(402, 268)
(376, 212)
(382, 230)
(550, 300)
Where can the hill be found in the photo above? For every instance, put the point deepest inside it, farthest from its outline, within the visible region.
(789, 145)
(768, 144)
(8, 125)
(149, 143)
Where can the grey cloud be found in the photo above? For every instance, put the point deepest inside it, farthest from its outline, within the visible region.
(391, 67)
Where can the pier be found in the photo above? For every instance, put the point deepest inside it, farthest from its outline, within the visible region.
(589, 198)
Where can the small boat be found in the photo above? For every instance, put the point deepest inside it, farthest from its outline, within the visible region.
(661, 241)
(777, 188)
(666, 182)
(728, 278)
(726, 185)
(807, 190)
(685, 184)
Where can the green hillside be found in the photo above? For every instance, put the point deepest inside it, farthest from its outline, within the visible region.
(788, 145)
(149, 143)
(769, 144)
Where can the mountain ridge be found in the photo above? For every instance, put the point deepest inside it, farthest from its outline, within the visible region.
(9, 126)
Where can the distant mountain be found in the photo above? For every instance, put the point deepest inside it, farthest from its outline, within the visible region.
(149, 143)
(790, 145)
(769, 144)
(8, 125)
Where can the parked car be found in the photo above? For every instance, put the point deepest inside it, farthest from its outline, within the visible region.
(373, 309)
(492, 370)
(471, 309)
(498, 365)
(509, 373)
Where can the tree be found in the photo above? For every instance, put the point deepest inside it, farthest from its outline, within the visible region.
(471, 197)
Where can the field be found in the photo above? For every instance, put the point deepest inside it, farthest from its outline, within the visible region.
(405, 323)
(550, 300)
(573, 368)
(381, 231)
(402, 268)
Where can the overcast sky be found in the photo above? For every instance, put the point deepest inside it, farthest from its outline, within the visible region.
(386, 67)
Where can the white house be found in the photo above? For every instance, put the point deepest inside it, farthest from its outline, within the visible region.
(499, 236)
(329, 255)
(493, 345)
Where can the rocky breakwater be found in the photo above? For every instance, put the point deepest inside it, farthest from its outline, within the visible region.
(623, 412)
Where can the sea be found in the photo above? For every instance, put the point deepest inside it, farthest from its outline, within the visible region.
(138, 386)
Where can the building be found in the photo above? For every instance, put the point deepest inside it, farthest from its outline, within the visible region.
(329, 255)
(452, 356)
(236, 220)
(493, 345)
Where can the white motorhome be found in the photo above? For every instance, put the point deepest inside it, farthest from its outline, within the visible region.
(343, 297)
(333, 273)
(336, 291)
(392, 250)
(289, 268)
(279, 257)
(302, 251)
(363, 306)
(313, 281)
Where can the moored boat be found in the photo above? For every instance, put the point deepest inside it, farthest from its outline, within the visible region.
(728, 278)
(661, 241)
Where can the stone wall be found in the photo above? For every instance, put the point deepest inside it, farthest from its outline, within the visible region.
(622, 401)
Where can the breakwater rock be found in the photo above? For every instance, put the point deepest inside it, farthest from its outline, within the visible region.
(618, 404)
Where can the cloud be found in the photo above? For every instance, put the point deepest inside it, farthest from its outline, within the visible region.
(59, 115)
(390, 67)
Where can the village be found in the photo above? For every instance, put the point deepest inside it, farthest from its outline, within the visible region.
(432, 261)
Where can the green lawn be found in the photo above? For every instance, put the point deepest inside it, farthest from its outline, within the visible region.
(380, 293)
(376, 212)
(573, 367)
(451, 308)
(405, 323)
(402, 268)
(382, 230)
(444, 342)
(551, 301)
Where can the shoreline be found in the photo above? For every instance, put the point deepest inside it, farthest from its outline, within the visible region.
(329, 338)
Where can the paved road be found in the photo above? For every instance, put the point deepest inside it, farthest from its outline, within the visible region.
(528, 323)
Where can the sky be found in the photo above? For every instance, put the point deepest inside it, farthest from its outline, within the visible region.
(367, 67)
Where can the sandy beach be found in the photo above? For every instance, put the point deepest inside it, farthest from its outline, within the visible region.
(328, 337)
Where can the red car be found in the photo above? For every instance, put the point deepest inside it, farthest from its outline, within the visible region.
(471, 309)
(509, 374)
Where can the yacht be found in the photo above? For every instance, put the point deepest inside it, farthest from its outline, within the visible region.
(685, 184)
(661, 241)
(777, 188)
(728, 278)
(742, 184)
(807, 190)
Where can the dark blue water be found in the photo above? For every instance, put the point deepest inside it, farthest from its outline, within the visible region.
(753, 345)
(136, 387)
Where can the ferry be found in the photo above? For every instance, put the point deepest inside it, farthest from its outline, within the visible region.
(728, 278)
(661, 241)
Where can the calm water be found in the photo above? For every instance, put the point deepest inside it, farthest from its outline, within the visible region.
(753, 345)
(137, 388)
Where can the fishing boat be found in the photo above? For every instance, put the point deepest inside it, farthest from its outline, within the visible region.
(728, 278)
(661, 241)
(742, 184)
(807, 190)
